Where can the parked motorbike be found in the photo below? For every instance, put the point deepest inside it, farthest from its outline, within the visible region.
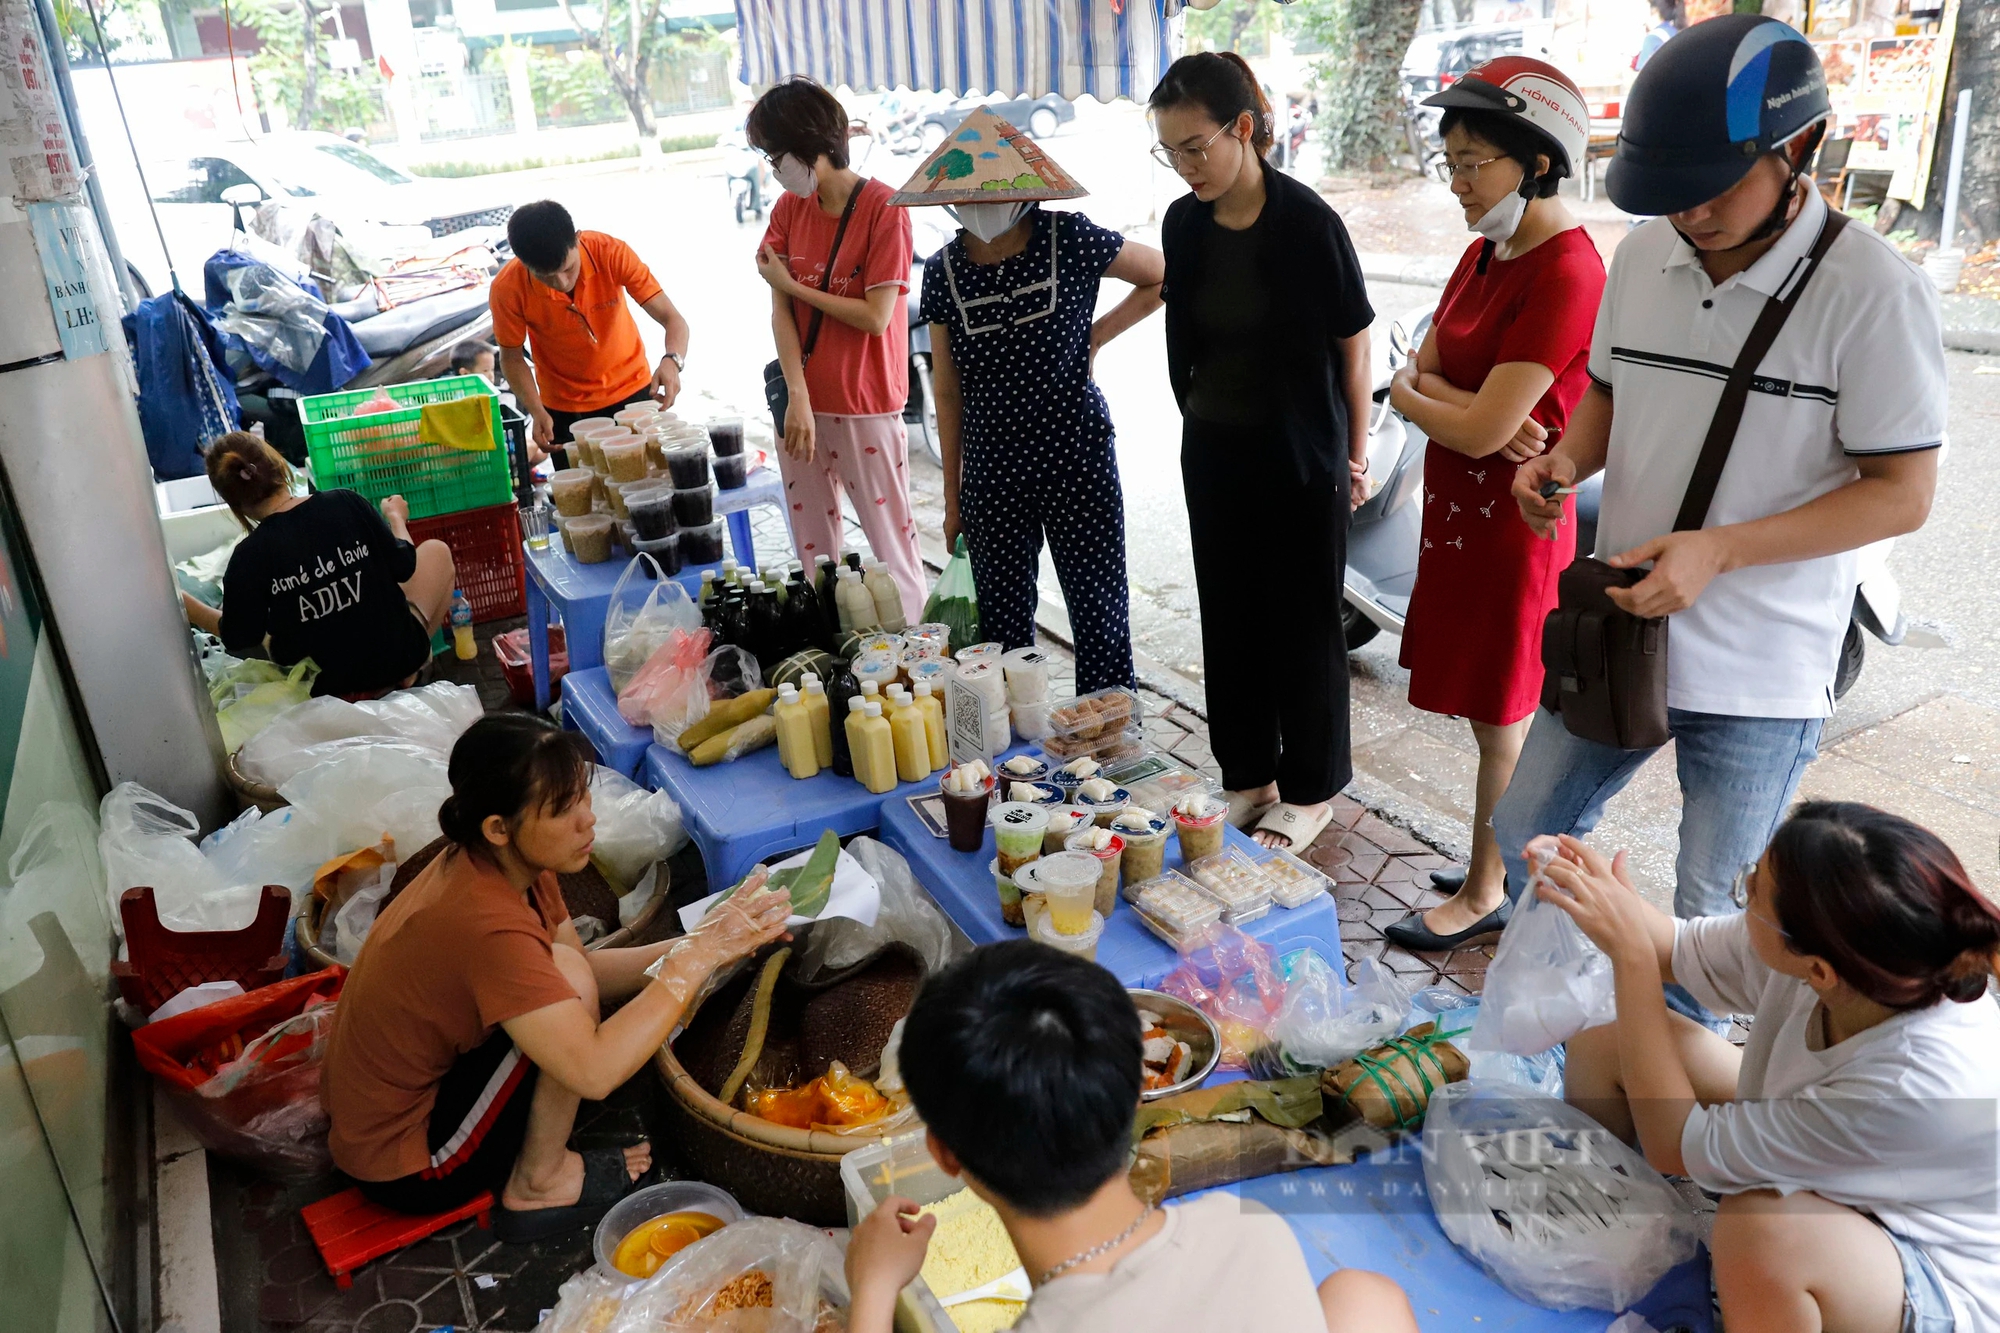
(746, 175)
(1387, 532)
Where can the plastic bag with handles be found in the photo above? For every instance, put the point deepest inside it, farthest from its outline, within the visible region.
(1548, 1201)
(646, 607)
(1547, 981)
(147, 839)
(767, 1273)
(955, 600)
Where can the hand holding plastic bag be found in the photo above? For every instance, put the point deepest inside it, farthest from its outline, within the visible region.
(1547, 981)
(766, 1273)
(1549, 1201)
(1235, 981)
(645, 609)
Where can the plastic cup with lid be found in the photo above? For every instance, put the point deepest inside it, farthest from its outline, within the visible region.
(570, 490)
(1017, 832)
(1081, 942)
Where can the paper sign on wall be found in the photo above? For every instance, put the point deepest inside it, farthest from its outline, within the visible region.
(64, 240)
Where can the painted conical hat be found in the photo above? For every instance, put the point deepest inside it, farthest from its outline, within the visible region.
(987, 161)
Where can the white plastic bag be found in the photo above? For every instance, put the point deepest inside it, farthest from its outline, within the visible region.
(645, 609)
(356, 916)
(1549, 1201)
(1547, 981)
(1325, 1021)
(1455, 1013)
(797, 1265)
(635, 827)
(54, 871)
(367, 789)
(282, 847)
(145, 839)
(431, 718)
(907, 915)
(585, 1303)
(633, 905)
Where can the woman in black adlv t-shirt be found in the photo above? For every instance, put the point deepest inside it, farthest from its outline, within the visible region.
(323, 576)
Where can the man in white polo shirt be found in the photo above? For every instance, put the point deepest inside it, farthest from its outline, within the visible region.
(1837, 447)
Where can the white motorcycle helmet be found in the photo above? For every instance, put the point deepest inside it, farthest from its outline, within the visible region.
(1535, 93)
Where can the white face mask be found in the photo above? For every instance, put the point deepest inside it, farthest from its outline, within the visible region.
(989, 222)
(1499, 223)
(795, 176)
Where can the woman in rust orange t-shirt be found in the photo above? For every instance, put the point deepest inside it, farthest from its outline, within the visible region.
(468, 1030)
(1492, 386)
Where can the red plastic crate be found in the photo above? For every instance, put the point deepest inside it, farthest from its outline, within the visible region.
(486, 551)
(162, 963)
(516, 665)
(348, 1230)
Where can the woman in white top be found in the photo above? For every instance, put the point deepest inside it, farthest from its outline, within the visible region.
(1854, 1138)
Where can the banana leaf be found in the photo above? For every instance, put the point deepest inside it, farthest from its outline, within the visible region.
(811, 885)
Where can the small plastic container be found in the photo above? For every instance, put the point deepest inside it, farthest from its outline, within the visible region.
(726, 434)
(1083, 945)
(1046, 794)
(687, 464)
(666, 550)
(701, 546)
(1010, 894)
(1031, 721)
(1115, 748)
(1174, 908)
(694, 508)
(650, 507)
(934, 670)
(975, 653)
(636, 415)
(570, 490)
(1063, 821)
(1023, 768)
(1233, 879)
(1103, 809)
(673, 1196)
(1068, 882)
(1017, 833)
(1201, 835)
(1145, 835)
(1293, 882)
(616, 494)
(732, 471)
(1109, 858)
(589, 538)
(878, 667)
(1027, 675)
(625, 461)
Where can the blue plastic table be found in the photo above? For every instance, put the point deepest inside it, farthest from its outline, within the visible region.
(589, 707)
(962, 884)
(747, 810)
(580, 593)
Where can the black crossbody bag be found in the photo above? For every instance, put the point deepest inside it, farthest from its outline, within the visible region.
(778, 394)
(1605, 670)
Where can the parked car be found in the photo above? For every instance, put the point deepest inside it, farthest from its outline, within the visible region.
(321, 173)
(1039, 116)
(1438, 59)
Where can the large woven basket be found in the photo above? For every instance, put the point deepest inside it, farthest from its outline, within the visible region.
(585, 893)
(771, 1168)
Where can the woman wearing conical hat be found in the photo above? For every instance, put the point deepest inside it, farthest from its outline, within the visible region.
(1026, 437)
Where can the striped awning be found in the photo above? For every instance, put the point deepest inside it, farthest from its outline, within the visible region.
(1008, 48)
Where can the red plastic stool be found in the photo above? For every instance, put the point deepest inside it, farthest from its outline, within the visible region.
(349, 1231)
(163, 963)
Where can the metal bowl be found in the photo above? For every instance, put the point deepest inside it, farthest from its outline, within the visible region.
(1188, 1024)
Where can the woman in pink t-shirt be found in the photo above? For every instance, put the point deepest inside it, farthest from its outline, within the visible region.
(842, 331)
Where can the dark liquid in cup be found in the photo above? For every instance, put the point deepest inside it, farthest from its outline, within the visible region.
(695, 508)
(653, 515)
(701, 546)
(666, 551)
(965, 818)
(688, 469)
(731, 472)
(726, 436)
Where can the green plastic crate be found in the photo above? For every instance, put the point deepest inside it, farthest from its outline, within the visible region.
(379, 454)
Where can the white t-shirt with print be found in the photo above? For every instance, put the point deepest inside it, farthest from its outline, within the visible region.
(1857, 370)
(1901, 1121)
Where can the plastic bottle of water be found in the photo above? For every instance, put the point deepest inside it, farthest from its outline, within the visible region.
(461, 627)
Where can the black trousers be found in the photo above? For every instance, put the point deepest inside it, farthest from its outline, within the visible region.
(478, 1123)
(564, 420)
(1269, 556)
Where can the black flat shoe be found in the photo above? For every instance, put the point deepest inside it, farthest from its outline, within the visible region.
(1449, 880)
(1412, 934)
(605, 1182)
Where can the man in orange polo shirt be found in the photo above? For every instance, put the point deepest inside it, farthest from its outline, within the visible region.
(564, 293)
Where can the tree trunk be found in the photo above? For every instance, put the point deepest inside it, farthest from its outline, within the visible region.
(309, 94)
(1239, 22)
(1975, 64)
(1360, 86)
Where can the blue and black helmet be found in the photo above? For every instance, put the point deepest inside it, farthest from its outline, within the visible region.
(1712, 101)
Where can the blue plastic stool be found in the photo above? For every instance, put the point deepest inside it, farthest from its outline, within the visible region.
(589, 707)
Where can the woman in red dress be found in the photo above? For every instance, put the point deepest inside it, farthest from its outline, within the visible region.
(1492, 386)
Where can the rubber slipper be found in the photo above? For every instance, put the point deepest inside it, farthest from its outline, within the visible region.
(605, 1182)
(1294, 824)
(1242, 810)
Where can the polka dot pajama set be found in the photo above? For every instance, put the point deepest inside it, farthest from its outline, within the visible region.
(1036, 453)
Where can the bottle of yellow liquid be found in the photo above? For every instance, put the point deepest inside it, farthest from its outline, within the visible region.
(913, 746)
(820, 713)
(462, 641)
(856, 752)
(869, 736)
(927, 703)
(795, 739)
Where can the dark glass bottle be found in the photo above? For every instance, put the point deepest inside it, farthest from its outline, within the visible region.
(802, 616)
(762, 633)
(730, 615)
(839, 690)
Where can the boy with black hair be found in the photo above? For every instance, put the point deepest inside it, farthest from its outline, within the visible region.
(1025, 1064)
(474, 356)
(565, 290)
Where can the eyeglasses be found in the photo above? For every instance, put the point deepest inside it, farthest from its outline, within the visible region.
(1172, 158)
(1469, 171)
(1739, 893)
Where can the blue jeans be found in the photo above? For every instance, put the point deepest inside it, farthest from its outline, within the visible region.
(1738, 775)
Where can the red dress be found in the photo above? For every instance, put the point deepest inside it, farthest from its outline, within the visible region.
(1485, 582)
